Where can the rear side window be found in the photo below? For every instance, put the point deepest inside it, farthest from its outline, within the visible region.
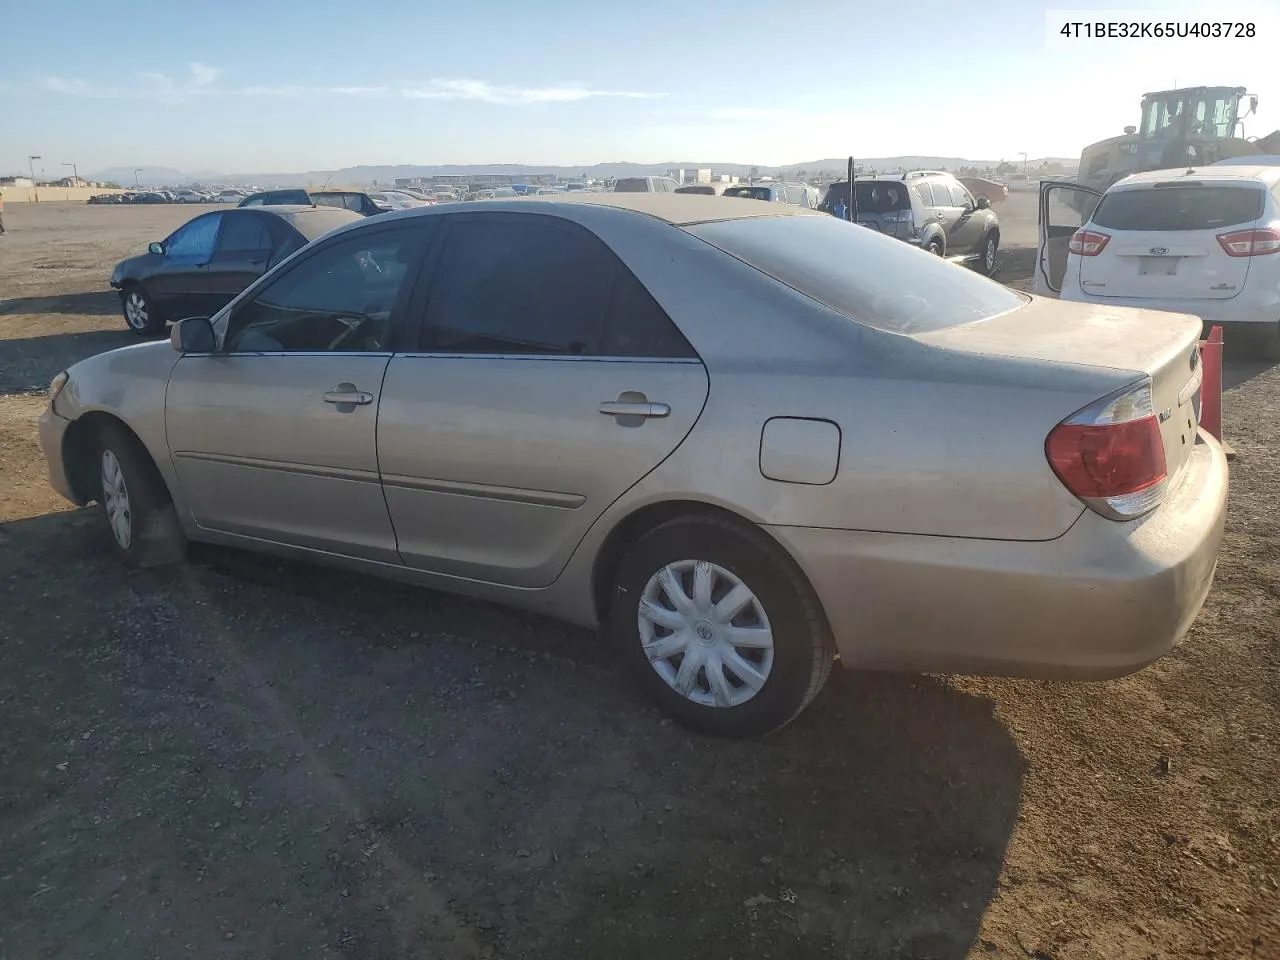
(243, 233)
(861, 273)
(1183, 207)
(631, 185)
(534, 288)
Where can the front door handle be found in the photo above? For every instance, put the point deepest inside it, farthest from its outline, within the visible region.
(633, 408)
(346, 394)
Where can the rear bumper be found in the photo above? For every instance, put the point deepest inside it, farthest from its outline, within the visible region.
(1103, 600)
(1241, 311)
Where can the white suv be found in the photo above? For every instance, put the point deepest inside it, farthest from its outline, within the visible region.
(1201, 241)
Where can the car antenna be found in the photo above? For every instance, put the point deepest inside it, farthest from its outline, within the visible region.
(853, 196)
(314, 204)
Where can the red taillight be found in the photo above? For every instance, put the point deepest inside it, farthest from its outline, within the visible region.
(1087, 243)
(1250, 243)
(1111, 454)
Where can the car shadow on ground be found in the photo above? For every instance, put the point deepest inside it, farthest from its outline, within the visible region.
(307, 757)
(101, 303)
(30, 363)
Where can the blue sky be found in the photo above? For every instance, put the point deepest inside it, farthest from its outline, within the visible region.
(255, 87)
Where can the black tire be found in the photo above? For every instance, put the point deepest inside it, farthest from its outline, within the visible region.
(935, 247)
(803, 648)
(154, 537)
(139, 311)
(986, 262)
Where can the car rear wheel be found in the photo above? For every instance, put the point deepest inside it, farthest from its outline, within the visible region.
(135, 503)
(719, 627)
(934, 247)
(140, 313)
(987, 257)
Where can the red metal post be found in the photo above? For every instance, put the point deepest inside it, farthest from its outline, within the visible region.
(1211, 386)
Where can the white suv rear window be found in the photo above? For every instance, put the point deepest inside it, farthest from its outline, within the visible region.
(1179, 207)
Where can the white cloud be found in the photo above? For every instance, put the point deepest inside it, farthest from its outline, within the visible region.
(201, 74)
(203, 83)
(480, 90)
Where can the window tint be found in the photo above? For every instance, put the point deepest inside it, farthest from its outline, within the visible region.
(542, 289)
(960, 196)
(522, 287)
(330, 200)
(862, 274)
(195, 240)
(636, 326)
(339, 299)
(631, 185)
(749, 193)
(253, 202)
(1179, 208)
(925, 192)
(243, 232)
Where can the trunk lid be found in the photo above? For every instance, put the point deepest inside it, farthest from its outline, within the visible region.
(1163, 346)
(1164, 240)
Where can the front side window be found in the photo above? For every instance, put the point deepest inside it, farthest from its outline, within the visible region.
(195, 240)
(339, 300)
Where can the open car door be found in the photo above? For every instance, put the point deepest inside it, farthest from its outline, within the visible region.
(1065, 207)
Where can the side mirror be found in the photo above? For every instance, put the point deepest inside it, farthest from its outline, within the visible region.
(193, 335)
(983, 203)
(157, 249)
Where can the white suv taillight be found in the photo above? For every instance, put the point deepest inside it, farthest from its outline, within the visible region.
(1111, 454)
(1087, 243)
(1250, 243)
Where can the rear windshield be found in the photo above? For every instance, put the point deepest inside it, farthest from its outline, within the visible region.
(701, 188)
(750, 193)
(861, 273)
(631, 185)
(1184, 207)
(873, 196)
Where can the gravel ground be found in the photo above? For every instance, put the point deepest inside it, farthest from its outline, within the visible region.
(249, 758)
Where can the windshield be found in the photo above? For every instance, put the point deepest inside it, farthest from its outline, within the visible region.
(699, 188)
(631, 185)
(1208, 114)
(861, 273)
(1182, 207)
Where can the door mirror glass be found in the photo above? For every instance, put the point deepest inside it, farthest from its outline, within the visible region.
(983, 203)
(157, 248)
(193, 335)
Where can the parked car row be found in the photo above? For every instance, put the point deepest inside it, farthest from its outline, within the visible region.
(434, 395)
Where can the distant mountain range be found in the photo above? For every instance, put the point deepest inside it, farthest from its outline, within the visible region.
(386, 174)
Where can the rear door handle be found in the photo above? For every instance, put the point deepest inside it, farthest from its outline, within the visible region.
(625, 408)
(346, 393)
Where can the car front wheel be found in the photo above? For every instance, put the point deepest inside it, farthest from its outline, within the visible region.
(987, 254)
(135, 502)
(720, 628)
(140, 313)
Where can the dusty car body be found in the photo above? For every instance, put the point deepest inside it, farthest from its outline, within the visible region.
(715, 495)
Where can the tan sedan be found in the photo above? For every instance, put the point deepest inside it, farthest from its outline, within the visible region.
(742, 437)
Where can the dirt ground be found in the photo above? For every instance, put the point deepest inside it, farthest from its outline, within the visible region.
(249, 758)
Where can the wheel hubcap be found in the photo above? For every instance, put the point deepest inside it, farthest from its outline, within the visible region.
(991, 253)
(705, 633)
(115, 499)
(135, 310)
